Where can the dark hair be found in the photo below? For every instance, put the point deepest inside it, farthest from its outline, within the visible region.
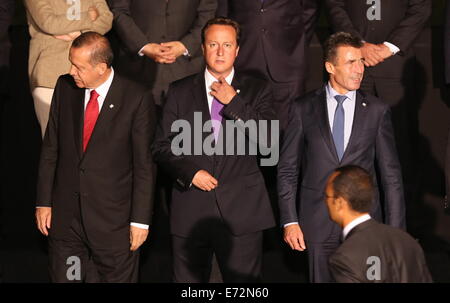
(223, 21)
(336, 40)
(355, 185)
(101, 51)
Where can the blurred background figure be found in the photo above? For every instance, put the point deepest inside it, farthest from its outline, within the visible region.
(53, 25)
(274, 42)
(160, 40)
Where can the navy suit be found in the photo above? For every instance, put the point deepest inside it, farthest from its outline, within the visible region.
(308, 156)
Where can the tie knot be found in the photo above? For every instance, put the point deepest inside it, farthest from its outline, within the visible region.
(94, 95)
(340, 99)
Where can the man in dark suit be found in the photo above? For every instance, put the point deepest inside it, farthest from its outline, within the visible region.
(95, 184)
(371, 251)
(275, 37)
(333, 126)
(160, 39)
(389, 30)
(219, 201)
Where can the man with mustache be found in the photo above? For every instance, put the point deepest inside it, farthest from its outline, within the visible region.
(333, 126)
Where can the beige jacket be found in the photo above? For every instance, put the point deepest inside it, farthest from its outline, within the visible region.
(49, 56)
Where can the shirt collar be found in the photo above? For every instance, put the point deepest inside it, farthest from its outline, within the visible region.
(209, 78)
(331, 92)
(102, 90)
(354, 223)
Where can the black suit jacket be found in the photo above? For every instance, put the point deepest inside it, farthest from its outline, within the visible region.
(275, 35)
(308, 157)
(401, 259)
(138, 22)
(400, 23)
(241, 195)
(113, 179)
(6, 16)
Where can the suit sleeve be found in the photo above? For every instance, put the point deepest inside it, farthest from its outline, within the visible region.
(390, 172)
(130, 34)
(144, 172)
(179, 167)
(260, 109)
(408, 30)
(289, 166)
(342, 269)
(310, 14)
(104, 21)
(447, 42)
(49, 152)
(51, 23)
(206, 10)
(339, 18)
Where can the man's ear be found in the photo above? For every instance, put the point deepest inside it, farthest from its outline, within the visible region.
(101, 68)
(203, 49)
(329, 67)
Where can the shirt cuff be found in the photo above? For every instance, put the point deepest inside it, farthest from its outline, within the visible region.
(186, 53)
(140, 53)
(139, 225)
(287, 224)
(394, 49)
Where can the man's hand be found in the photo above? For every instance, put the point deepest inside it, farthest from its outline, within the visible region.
(158, 53)
(293, 236)
(371, 54)
(93, 13)
(384, 51)
(204, 181)
(222, 91)
(176, 48)
(137, 237)
(43, 219)
(68, 37)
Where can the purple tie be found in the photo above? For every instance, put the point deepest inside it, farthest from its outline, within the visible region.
(216, 117)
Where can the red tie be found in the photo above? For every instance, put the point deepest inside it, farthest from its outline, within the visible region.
(90, 117)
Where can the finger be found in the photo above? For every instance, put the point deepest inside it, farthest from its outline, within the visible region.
(49, 220)
(214, 181)
(302, 243)
(295, 244)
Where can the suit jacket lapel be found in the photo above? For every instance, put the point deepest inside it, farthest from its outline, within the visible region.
(236, 84)
(359, 118)
(323, 121)
(78, 118)
(110, 107)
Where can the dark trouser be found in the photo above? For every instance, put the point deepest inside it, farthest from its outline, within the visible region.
(74, 260)
(318, 255)
(239, 257)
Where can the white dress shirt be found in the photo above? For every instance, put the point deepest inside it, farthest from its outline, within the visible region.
(349, 110)
(209, 79)
(102, 91)
(354, 223)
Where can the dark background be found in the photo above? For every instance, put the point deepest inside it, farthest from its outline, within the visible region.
(23, 249)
